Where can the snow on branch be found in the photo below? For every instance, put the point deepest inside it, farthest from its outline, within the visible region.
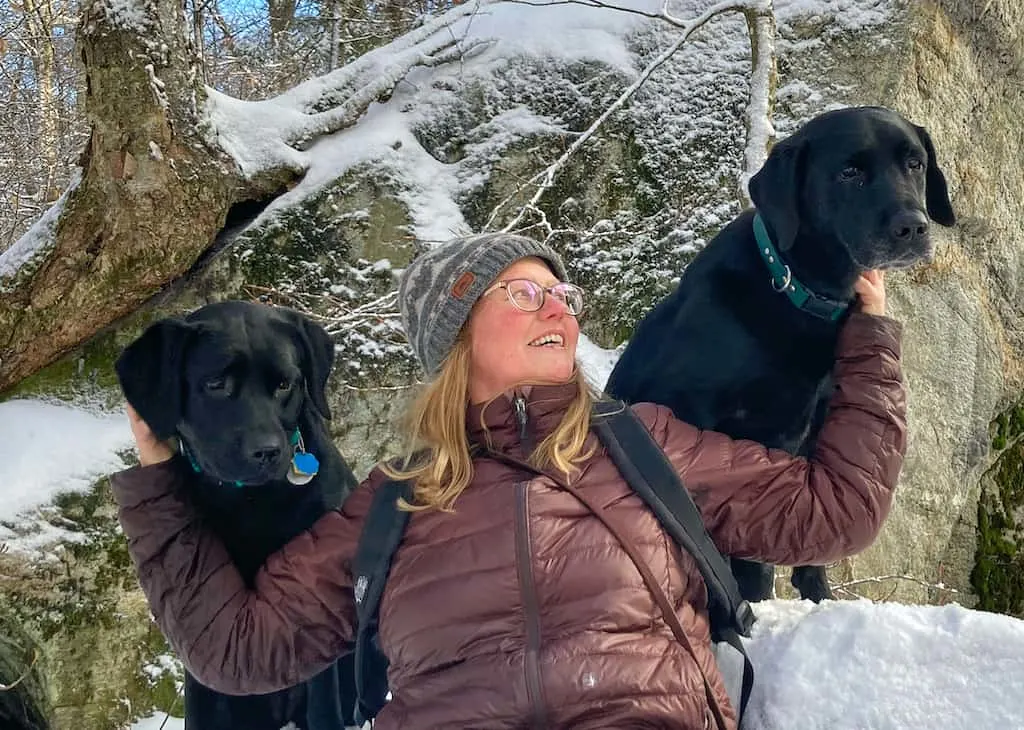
(377, 73)
(761, 24)
(334, 314)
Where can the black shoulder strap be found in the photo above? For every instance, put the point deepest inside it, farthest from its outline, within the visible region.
(382, 532)
(648, 471)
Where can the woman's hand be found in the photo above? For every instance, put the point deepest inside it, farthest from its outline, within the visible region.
(151, 449)
(870, 288)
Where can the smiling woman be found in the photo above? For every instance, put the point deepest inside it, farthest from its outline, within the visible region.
(531, 583)
(528, 336)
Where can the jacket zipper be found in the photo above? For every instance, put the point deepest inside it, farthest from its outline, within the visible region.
(526, 439)
(528, 587)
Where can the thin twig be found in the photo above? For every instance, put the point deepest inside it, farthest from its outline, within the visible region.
(546, 178)
(24, 675)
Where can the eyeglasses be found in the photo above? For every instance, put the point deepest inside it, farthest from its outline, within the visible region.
(528, 295)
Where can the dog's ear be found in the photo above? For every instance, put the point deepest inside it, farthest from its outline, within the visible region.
(936, 194)
(318, 355)
(776, 189)
(149, 370)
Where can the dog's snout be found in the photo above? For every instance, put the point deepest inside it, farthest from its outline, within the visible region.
(909, 225)
(265, 452)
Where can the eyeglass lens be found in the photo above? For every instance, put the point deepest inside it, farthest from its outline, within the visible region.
(529, 295)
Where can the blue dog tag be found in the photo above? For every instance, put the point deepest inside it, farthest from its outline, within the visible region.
(304, 467)
(306, 463)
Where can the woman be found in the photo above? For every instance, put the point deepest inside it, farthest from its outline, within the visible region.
(509, 604)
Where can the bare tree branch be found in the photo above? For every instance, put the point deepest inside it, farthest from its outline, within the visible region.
(546, 178)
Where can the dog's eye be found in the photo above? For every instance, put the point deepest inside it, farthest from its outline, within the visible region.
(215, 385)
(850, 173)
(284, 386)
(915, 164)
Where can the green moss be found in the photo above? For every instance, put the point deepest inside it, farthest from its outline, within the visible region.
(998, 574)
(335, 252)
(103, 657)
(87, 373)
(1007, 426)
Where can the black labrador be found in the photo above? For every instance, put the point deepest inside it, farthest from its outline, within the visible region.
(745, 344)
(242, 387)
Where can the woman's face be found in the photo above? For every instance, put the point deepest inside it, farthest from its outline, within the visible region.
(509, 346)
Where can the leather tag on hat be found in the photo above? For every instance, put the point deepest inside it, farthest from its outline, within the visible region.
(462, 284)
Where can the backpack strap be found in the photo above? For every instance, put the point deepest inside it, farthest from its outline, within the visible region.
(643, 464)
(382, 533)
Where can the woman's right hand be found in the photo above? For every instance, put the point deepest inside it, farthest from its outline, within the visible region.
(151, 449)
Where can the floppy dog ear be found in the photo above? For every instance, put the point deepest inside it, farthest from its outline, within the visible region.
(318, 354)
(149, 370)
(775, 190)
(940, 209)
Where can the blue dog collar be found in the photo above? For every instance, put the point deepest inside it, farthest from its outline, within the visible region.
(784, 282)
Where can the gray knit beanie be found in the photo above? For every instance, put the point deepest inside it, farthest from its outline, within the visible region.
(439, 288)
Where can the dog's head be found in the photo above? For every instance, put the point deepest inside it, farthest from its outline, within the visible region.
(233, 380)
(864, 179)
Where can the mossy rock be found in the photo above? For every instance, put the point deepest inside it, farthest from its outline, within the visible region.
(101, 655)
(26, 705)
(998, 574)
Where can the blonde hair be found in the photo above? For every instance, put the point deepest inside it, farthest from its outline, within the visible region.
(438, 459)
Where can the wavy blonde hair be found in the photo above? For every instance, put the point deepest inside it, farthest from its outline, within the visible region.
(438, 459)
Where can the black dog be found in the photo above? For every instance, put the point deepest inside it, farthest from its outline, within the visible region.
(242, 386)
(745, 345)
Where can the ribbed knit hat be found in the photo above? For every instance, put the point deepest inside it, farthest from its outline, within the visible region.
(439, 288)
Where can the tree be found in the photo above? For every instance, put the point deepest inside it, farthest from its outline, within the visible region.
(155, 190)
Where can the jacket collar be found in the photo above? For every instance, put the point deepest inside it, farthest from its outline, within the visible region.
(502, 424)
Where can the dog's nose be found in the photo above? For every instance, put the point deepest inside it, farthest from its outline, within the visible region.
(909, 225)
(265, 453)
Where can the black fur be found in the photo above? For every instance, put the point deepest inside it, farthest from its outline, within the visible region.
(852, 190)
(232, 381)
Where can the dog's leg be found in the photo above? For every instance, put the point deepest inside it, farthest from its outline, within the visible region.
(812, 582)
(756, 580)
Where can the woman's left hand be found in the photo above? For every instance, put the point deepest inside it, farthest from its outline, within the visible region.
(870, 288)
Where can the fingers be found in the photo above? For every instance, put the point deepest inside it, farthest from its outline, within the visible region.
(870, 288)
(151, 449)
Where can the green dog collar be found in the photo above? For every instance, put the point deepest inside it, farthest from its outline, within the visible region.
(783, 280)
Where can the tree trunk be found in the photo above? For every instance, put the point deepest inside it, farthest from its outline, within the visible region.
(155, 193)
(152, 198)
(39, 18)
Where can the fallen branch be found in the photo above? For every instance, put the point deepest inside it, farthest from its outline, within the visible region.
(762, 48)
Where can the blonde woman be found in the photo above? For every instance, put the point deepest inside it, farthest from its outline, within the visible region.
(509, 603)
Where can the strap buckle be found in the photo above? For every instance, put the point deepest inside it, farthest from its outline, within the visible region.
(785, 282)
(745, 617)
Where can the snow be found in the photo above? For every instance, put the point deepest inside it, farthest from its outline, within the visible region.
(37, 239)
(47, 449)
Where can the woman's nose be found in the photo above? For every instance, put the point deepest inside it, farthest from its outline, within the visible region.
(553, 306)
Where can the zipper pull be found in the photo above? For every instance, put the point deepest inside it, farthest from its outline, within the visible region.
(519, 404)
